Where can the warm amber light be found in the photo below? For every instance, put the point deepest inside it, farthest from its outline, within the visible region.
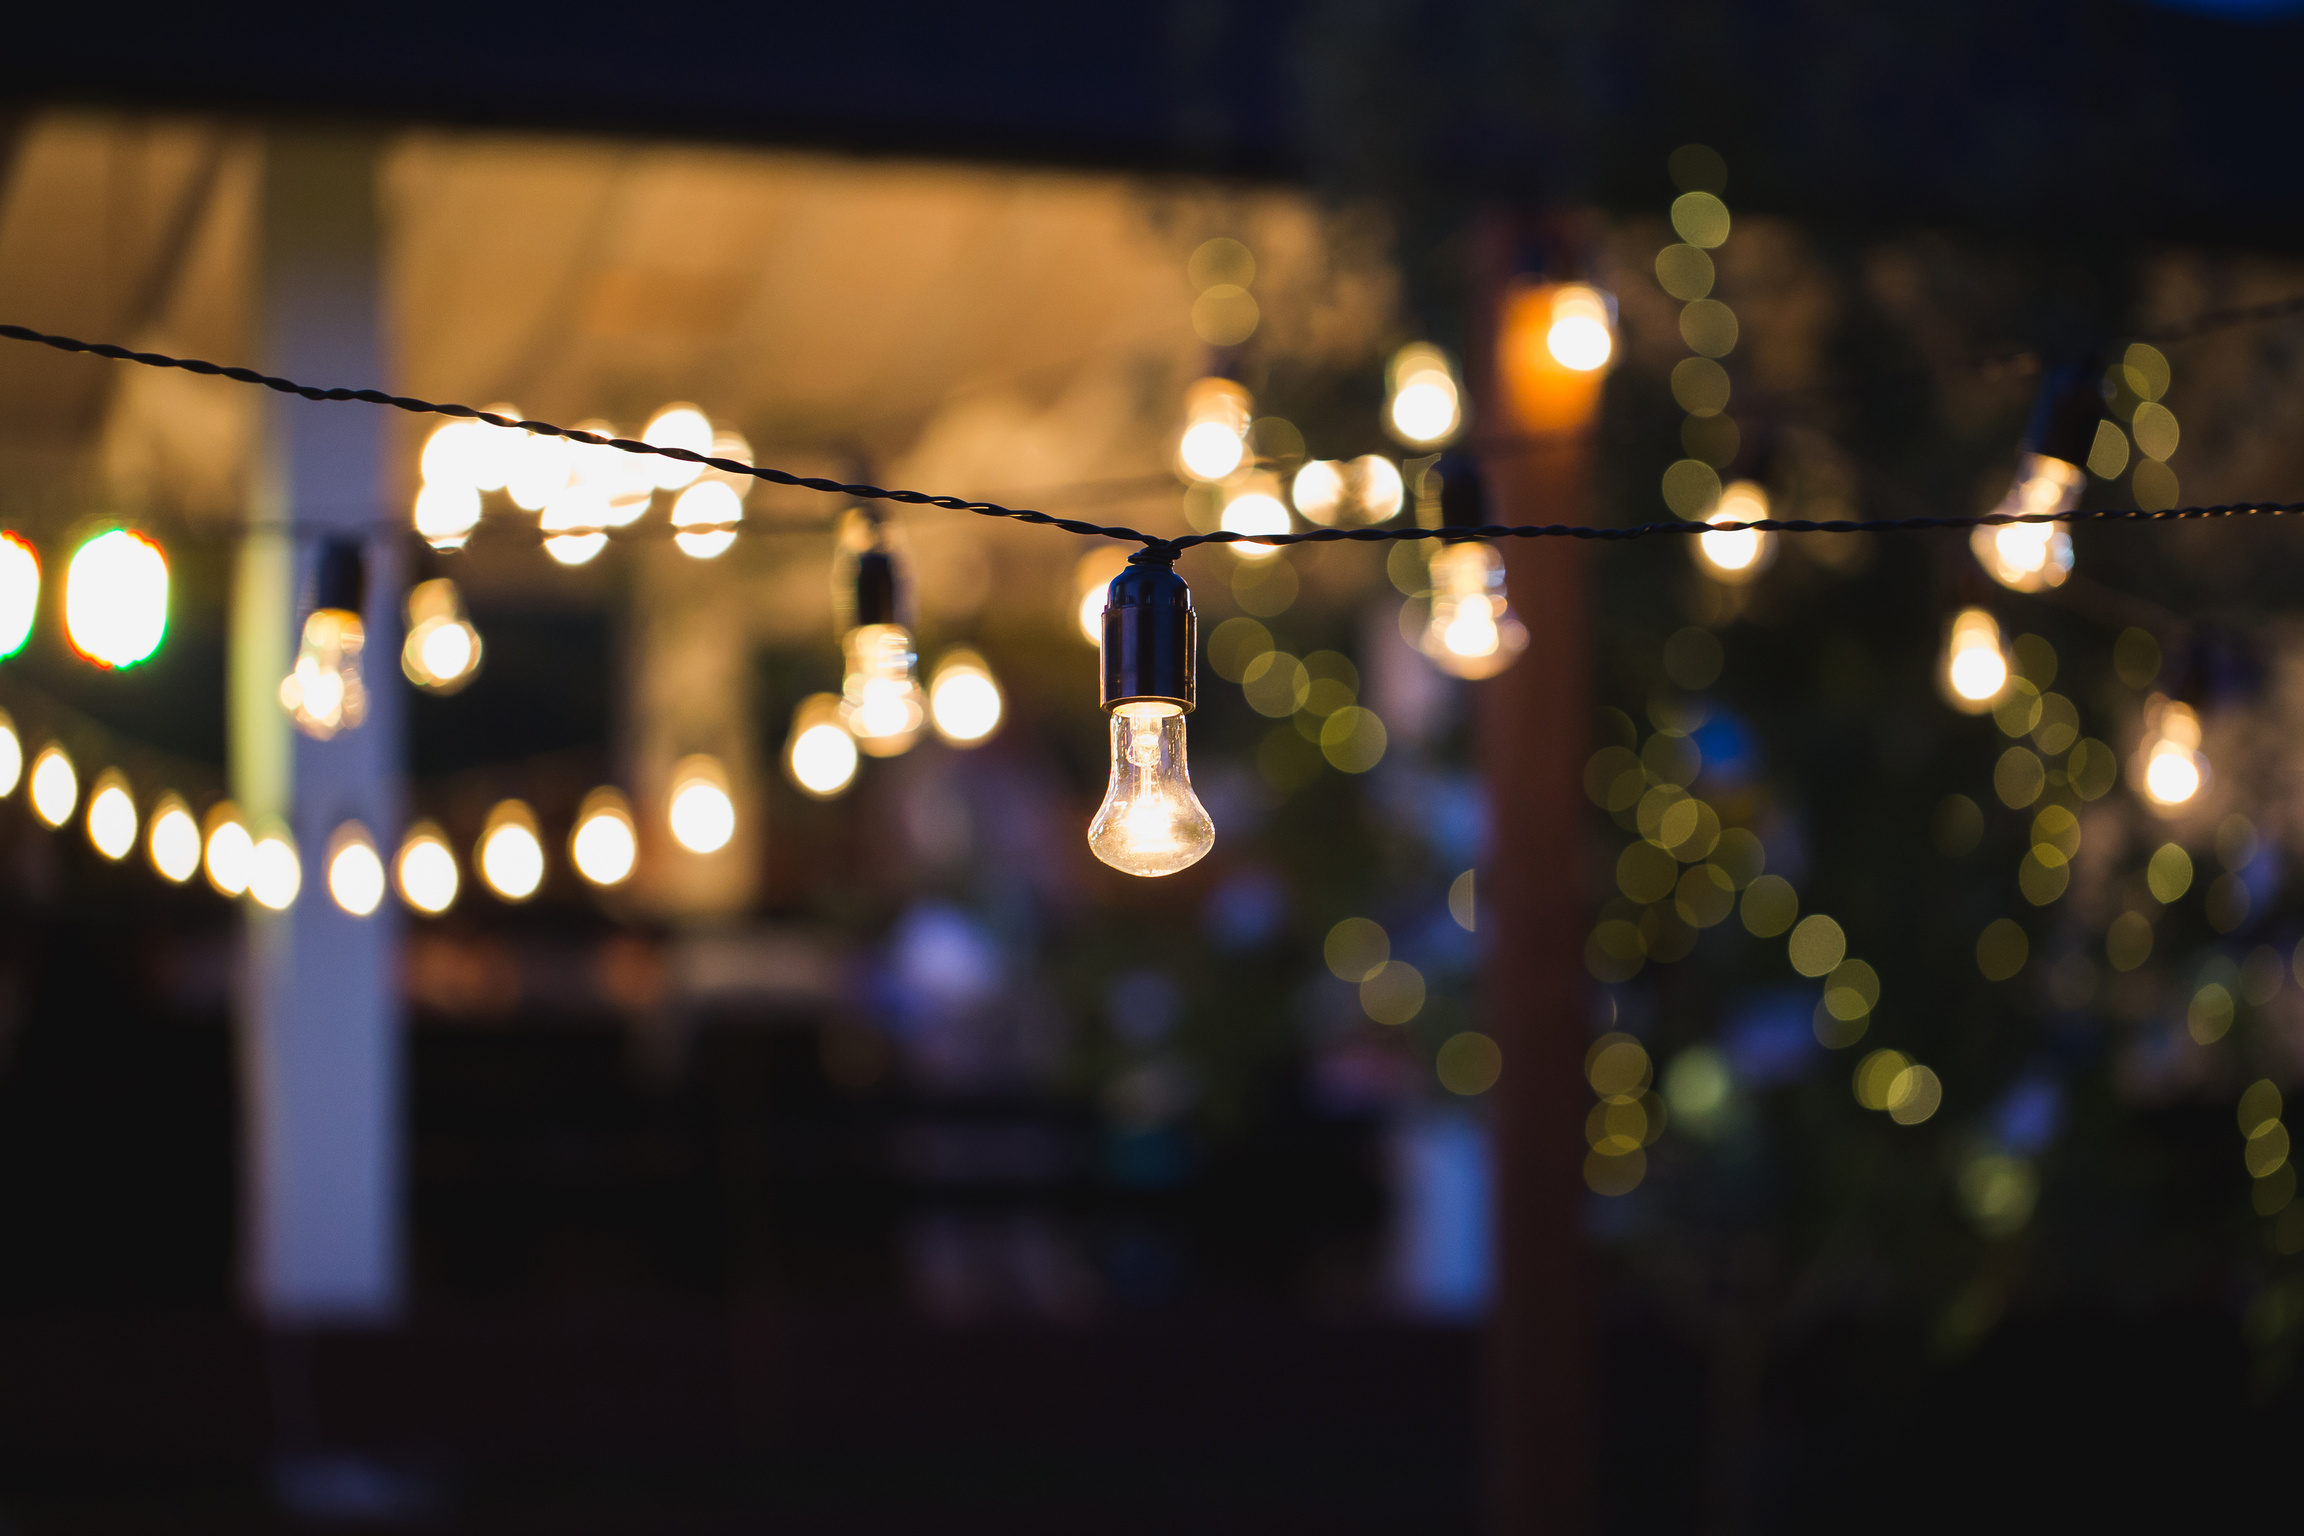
(1426, 404)
(112, 816)
(325, 693)
(883, 707)
(1582, 336)
(229, 851)
(1254, 507)
(701, 812)
(442, 651)
(706, 515)
(1215, 437)
(55, 787)
(425, 870)
(821, 756)
(605, 847)
(11, 754)
(964, 698)
(116, 598)
(173, 840)
(1472, 631)
(1975, 666)
(2170, 764)
(355, 872)
(1554, 344)
(2028, 557)
(1738, 554)
(677, 426)
(275, 874)
(511, 854)
(1151, 823)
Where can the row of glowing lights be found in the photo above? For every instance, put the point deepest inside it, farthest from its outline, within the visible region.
(603, 847)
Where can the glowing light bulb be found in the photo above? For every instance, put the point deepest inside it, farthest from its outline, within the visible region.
(11, 754)
(112, 816)
(1426, 406)
(1215, 439)
(275, 873)
(1738, 555)
(55, 787)
(2170, 765)
(453, 455)
(1377, 487)
(1582, 336)
(964, 698)
(700, 812)
(883, 709)
(605, 847)
(1151, 823)
(1254, 507)
(425, 870)
(1318, 491)
(116, 598)
(229, 850)
(706, 515)
(820, 755)
(495, 454)
(573, 520)
(1472, 631)
(172, 840)
(1090, 577)
(624, 483)
(445, 515)
(511, 854)
(1975, 666)
(325, 693)
(355, 873)
(2030, 556)
(539, 467)
(442, 651)
(677, 426)
(19, 592)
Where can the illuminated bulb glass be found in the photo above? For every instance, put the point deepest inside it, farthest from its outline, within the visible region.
(172, 840)
(572, 521)
(55, 787)
(453, 455)
(325, 693)
(19, 592)
(677, 426)
(1472, 631)
(425, 870)
(821, 756)
(964, 699)
(1377, 487)
(1151, 823)
(2173, 765)
(275, 874)
(706, 515)
(1738, 555)
(605, 847)
(116, 598)
(112, 816)
(1582, 336)
(1215, 439)
(539, 468)
(446, 515)
(1426, 406)
(2030, 556)
(229, 851)
(1975, 666)
(442, 651)
(1318, 491)
(882, 709)
(495, 451)
(1255, 509)
(11, 754)
(355, 873)
(511, 854)
(700, 812)
(623, 482)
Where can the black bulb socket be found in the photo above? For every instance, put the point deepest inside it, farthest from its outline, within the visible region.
(876, 597)
(2066, 412)
(1151, 636)
(1463, 492)
(340, 578)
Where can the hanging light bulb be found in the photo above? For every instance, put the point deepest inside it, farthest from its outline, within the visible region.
(605, 845)
(706, 516)
(112, 816)
(275, 873)
(2169, 765)
(11, 754)
(964, 698)
(425, 870)
(442, 651)
(2066, 417)
(116, 598)
(1472, 631)
(1975, 665)
(355, 872)
(1376, 487)
(19, 592)
(1318, 491)
(172, 840)
(55, 787)
(1151, 823)
(1425, 405)
(701, 812)
(1215, 438)
(538, 466)
(625, 482)
(820, 755)
(573, 521)
(883, 707)
(677, 426)
(1252, 505)
(445, 515)
(511, 855)
(228, 850)
(1582, 335)
(1737, 555)
(325, 693)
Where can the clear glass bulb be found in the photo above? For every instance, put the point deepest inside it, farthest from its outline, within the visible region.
(442, 651)
(1472, 631)
(2027, 557)
(325, 693)
(1150, 822)
(881, 701)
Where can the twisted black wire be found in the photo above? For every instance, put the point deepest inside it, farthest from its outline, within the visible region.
(1156, 547)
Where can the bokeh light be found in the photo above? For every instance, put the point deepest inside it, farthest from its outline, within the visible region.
(355, 872)
(275, 873)
(19, 592)
(55, 787)
(425, 870)
(116, 598)
(11, 754)
(820, 756)
(511, 854)
(676, 426)
(227, 850)
(172, 840)
(964, 701)
(605, 845)
(112, 816)
(1425, 405)
(701, 812)
(706, 516)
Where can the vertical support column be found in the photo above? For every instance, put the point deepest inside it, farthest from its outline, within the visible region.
(1533, 733)
(319, 1008)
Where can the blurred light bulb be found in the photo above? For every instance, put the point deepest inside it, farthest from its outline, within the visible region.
(355, 873)
(572, 522)
(1090, 577)
(116, 598)
(1318, 491)
(1215, 440)
(496, 452)
(1151, 823)
(2030, 556)
(19, 592)
(1975, 666)
(820, 754)
(1253, 507)
(11, 754)
(112, 816)
(325, 693)
(701, 813)
(453, 455)
(445, 515)
(511, 854)
(605, 847)
(1472, 631)
(442, 651)
(1738, 555)
(1582, 336)
(883, 708)
(425, 870)
(1376, 487)
(677, 426)
(706, 515)
(539, 468)
(229, 850)
(1425, 407)
(624, 483)
(55, 787)
(2170, 763)
(964, 698)
(172, 840)
(275, 874)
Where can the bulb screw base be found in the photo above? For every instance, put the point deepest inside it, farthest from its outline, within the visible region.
(1151, 635)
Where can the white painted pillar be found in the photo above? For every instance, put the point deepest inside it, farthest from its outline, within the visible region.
(319, 1007)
